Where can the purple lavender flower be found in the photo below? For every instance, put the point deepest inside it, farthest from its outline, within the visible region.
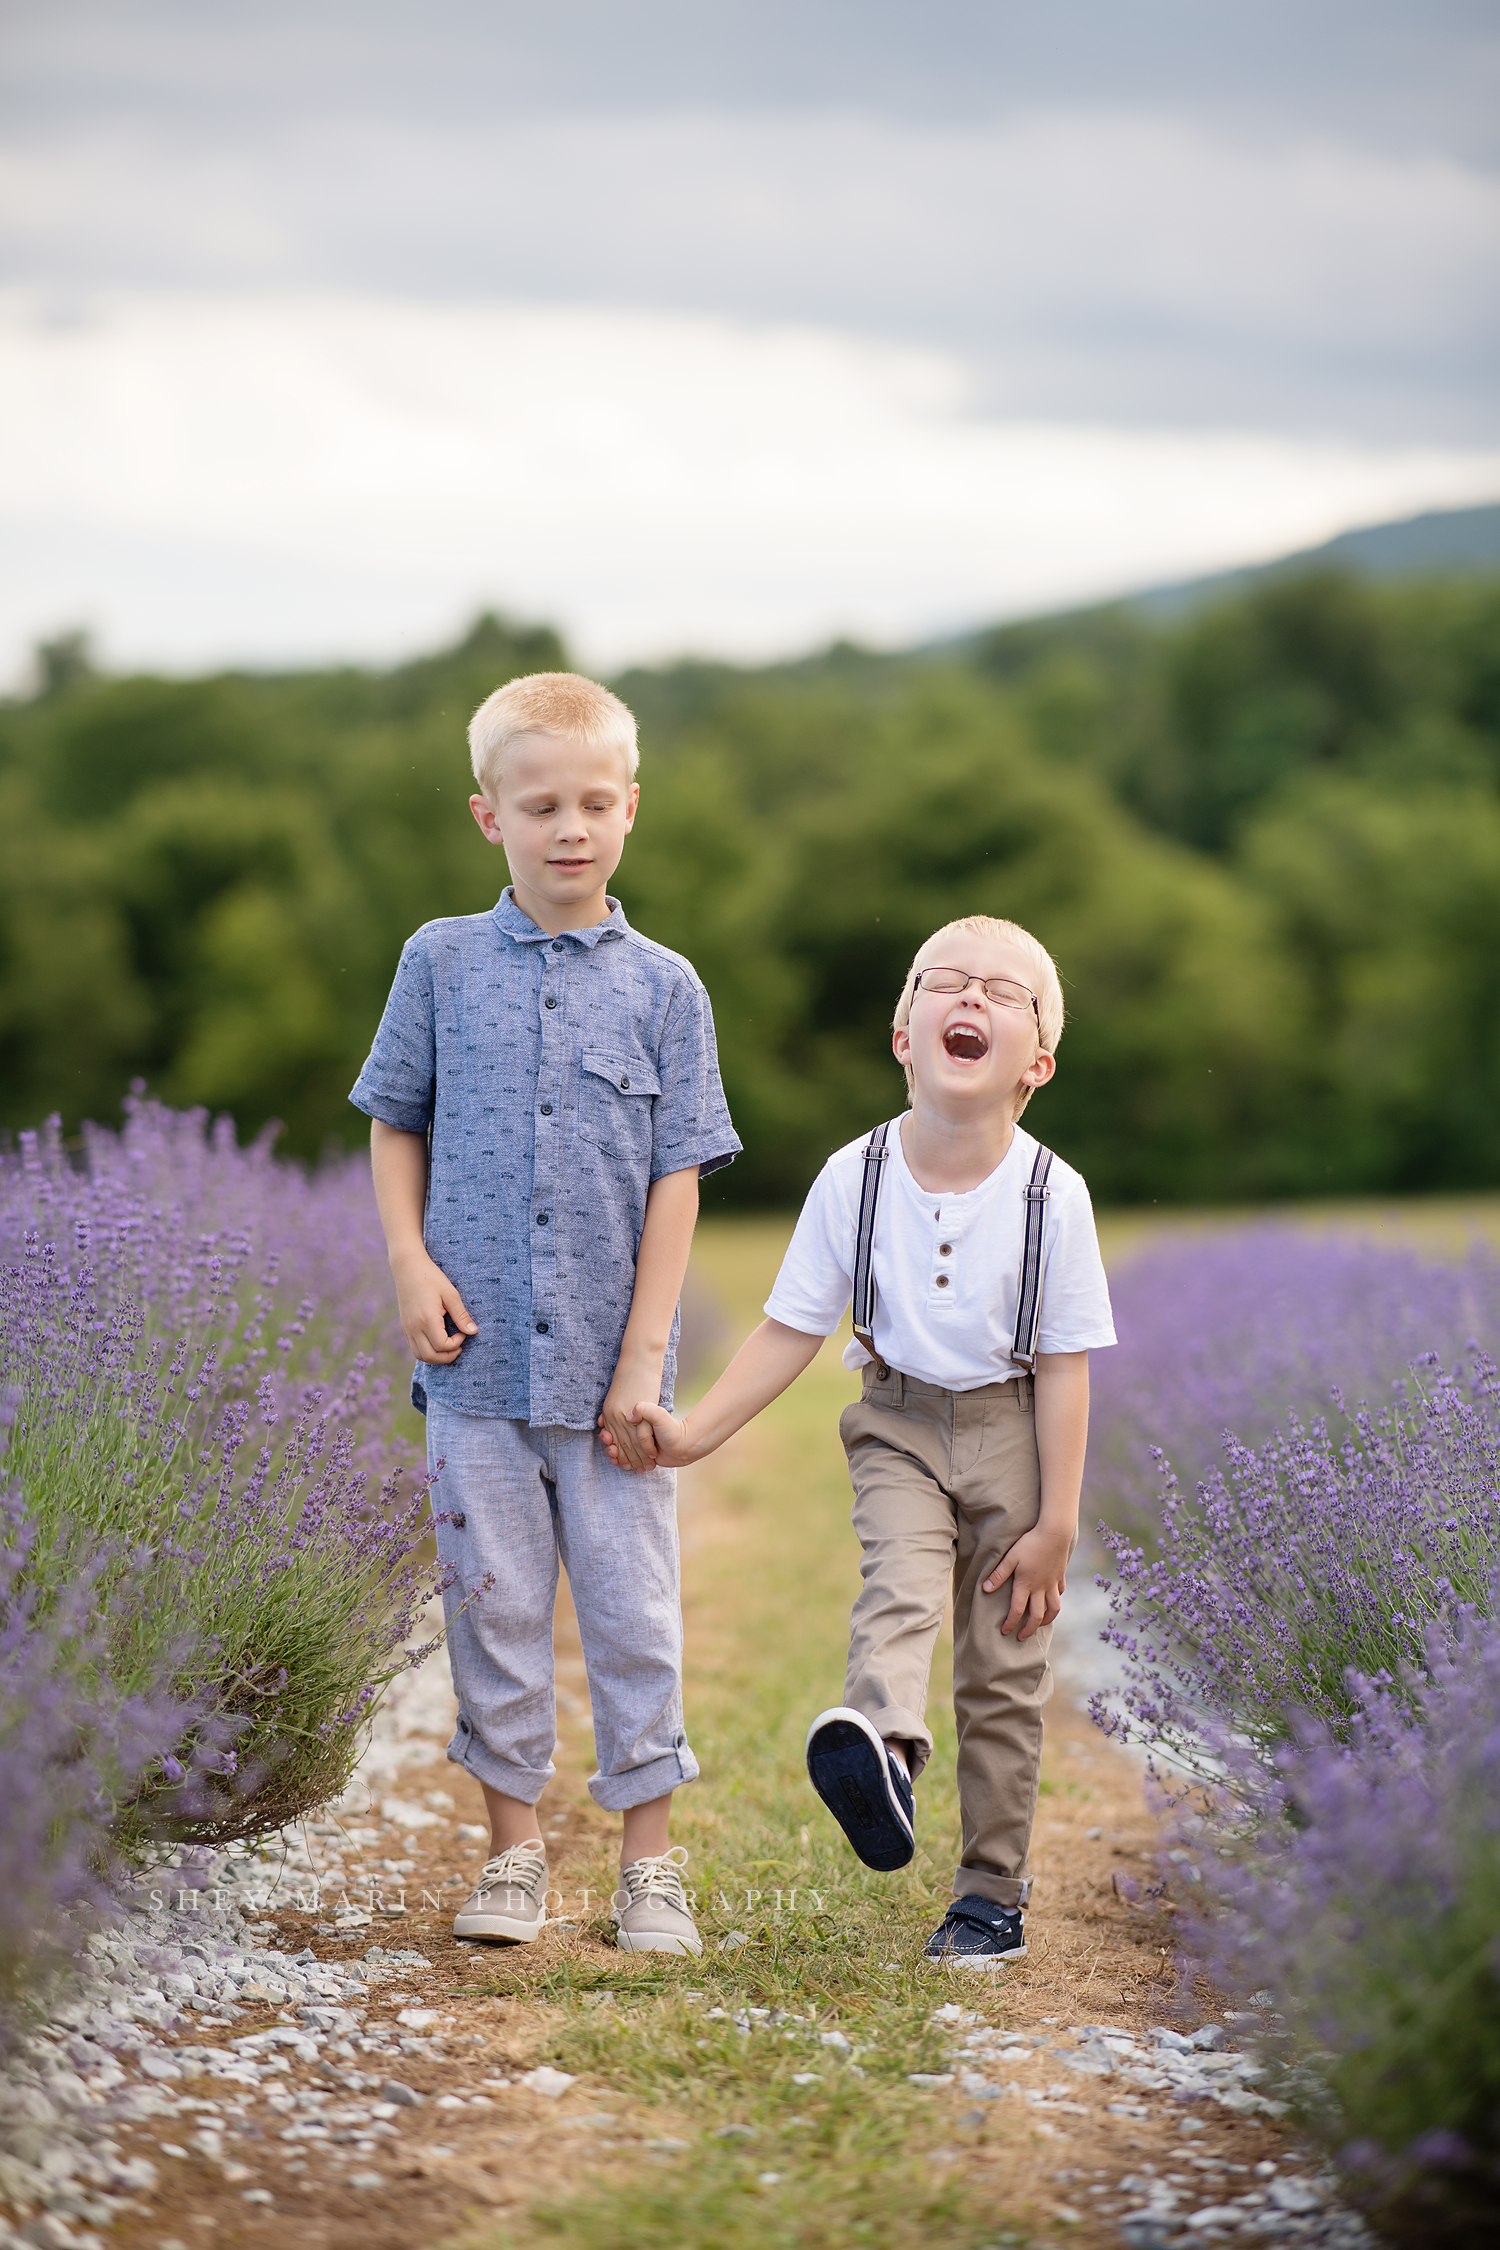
(1365, 1896)
(1235, 1330)
(1304, 1563)
(200, 1355)
(74, 1744)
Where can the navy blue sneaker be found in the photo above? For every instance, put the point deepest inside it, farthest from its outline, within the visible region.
(867, 1791)
(975, 1933)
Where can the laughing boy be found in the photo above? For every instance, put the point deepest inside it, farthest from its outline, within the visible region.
(979, 1292)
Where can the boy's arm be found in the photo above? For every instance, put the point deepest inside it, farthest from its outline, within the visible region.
(424, 1294)
(1037, 1564)
(660, 1270)
(764, 1366)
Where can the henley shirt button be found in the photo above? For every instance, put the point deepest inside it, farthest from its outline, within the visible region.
(541, 1218)
(551, 1000)
(945, 1249)
(942, 1281)
(546, 1109)
(541, 1328)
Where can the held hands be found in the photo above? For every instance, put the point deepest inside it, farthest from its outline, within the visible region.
(428, 1300)
(1037, 1567)
(629, 1430)
(644, 1436)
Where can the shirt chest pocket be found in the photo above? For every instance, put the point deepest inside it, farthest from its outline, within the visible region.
(614, 1104)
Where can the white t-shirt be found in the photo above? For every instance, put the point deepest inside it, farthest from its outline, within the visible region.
(947, 1267)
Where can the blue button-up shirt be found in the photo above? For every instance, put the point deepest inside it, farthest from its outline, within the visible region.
(558, 1077)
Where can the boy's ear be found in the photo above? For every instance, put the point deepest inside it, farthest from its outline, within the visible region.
(901, 1045)
(1041, 1067)
(489, 825)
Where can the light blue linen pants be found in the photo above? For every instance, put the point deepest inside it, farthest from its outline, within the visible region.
(522, 1500)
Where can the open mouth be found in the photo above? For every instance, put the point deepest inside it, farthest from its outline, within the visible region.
(965, 1043)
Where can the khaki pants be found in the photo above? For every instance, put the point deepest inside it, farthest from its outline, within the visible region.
(946, 1481)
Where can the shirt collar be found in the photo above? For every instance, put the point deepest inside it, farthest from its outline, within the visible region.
(520, 926)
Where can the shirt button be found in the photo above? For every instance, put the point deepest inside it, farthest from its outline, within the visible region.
(557, 945)
(546, 1109)
(541, 1218)
(945, 1249)
(942, 1281)
(551, 1001)
(541, 1328)
(625, 1085)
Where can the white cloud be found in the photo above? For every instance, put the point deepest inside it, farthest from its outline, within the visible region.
(282, 477)
(1110, 264)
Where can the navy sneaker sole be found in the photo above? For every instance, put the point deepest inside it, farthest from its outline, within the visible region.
(858, 1780)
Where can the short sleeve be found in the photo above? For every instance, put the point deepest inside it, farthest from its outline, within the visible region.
(1076, 1315)
(817, 1273)
(396, 1084)
(690, 1121)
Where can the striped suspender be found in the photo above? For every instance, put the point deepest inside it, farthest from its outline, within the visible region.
(1029, 1291)
(864, 1241)
(1029, 1294)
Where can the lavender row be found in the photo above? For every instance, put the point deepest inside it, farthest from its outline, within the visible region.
(1303, 1601)
(205, 1577)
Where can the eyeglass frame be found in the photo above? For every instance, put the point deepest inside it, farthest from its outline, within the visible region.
(972, 977)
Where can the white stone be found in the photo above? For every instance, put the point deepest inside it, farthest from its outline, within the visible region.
(546, 2081)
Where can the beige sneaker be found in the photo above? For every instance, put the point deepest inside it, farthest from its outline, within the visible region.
(510, 1899)
(651, 1908)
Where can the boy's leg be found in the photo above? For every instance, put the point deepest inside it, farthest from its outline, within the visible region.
(1000, 1683)
(493, 1489)
(863, 1756)
(617, 1532)
(898, 1442)
(617, 1529)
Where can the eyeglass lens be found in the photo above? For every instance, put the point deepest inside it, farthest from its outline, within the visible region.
(1002, 990)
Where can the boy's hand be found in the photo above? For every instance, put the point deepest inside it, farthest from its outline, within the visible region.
(652, 1426)
(428, 1301)
(626, 1426)
(1037, 1567)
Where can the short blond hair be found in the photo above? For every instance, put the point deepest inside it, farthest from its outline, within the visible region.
(1045, 981)
(549, 703)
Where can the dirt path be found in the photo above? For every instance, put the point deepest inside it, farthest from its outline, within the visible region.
(481, 2143)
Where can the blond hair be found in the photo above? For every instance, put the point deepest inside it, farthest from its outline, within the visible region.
(549, 703)
(1045, 982)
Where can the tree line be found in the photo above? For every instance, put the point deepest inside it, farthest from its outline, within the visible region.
(1263, 843)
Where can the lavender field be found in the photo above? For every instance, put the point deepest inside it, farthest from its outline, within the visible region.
(212, 1560)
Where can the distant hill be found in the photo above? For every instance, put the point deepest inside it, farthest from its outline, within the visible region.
(1445, 542)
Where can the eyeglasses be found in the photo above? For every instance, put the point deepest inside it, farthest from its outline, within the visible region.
(1004, 991)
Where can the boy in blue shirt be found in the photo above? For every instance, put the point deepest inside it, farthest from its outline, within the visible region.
(978, 1293)
(545, 1093)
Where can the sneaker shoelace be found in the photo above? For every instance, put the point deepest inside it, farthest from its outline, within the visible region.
(658, 1879)
(520, 1865)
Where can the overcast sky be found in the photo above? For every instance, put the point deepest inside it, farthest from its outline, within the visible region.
(721, 325)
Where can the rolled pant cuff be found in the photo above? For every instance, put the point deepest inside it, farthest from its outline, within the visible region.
(497, 1773)
(983, 1882)
(897, 1724)
(621, 1792)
